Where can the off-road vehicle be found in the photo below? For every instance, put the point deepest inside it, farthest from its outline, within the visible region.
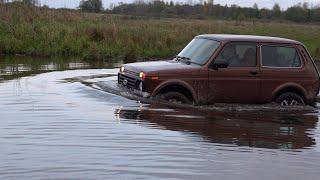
(229, 69)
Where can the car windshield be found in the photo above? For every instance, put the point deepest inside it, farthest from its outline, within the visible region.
(199, 50)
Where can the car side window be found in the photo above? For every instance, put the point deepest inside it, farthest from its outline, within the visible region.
(280, 56)
(239, 55)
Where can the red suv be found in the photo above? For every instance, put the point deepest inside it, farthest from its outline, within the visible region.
(229, 69)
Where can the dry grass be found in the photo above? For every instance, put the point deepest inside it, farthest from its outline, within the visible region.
(45, 32)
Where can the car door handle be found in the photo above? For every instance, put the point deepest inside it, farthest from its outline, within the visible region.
(254, 72)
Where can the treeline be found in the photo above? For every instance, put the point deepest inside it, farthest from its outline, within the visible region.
(27, 2)
(207, 9)
(204, 9)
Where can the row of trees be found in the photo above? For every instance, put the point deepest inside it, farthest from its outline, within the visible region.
(201, 10)
(27, 2)
(298, 13)
(205, 9)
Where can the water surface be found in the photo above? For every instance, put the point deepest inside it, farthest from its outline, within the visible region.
(55, 125)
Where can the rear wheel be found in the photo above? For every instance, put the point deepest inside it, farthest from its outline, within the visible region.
(175, 97)
(290, 99)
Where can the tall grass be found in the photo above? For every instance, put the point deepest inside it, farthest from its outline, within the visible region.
(46, 32)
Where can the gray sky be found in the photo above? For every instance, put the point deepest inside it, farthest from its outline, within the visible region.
(248, 3)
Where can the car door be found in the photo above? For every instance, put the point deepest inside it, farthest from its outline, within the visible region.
(281, 64)
(239, 82)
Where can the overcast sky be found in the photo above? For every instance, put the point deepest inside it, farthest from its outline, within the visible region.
(248, 3)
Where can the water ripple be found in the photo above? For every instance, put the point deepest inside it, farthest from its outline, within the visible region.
(53, 126)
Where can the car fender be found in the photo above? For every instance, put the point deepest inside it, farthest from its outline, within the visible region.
(289, 85)
(175, 82)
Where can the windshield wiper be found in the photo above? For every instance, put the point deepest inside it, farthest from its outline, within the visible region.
(184, 59)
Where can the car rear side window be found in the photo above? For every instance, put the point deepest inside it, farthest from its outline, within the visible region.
(280, 56)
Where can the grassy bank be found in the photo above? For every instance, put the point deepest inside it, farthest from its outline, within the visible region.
(45, 32)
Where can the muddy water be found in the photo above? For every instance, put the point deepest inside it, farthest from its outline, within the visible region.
(58, 123)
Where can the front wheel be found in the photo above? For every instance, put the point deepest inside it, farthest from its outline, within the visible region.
(175, 97)
(290, 99)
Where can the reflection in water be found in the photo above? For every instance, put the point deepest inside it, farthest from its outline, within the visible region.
(274, 130)
(16, 67)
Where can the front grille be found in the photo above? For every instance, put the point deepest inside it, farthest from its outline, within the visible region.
(135, 74)
(127, 81)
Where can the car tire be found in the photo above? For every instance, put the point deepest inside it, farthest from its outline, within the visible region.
(290, 99)
(175, 97)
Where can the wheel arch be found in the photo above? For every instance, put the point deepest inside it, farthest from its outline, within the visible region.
(176, 85)
(290, 87)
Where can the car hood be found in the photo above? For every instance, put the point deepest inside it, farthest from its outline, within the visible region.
(159, 66)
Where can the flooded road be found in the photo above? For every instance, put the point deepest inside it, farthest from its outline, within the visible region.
(53, 125)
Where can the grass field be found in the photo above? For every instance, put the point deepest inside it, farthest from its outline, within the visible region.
(45, 32)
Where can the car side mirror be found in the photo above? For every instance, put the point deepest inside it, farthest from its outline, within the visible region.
(219, 65)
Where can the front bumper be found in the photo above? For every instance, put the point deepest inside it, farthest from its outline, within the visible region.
(135, 85)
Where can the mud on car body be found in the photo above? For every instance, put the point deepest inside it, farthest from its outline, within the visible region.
(229, 69)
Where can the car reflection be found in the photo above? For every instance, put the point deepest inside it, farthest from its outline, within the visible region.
(272, 130)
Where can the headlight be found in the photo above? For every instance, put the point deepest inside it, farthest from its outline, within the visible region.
(122, 69)
(142, 75)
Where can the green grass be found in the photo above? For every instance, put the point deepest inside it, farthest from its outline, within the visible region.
(45, 32)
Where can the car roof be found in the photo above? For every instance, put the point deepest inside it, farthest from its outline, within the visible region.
(248, 38)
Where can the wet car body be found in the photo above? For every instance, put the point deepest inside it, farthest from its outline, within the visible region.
(215, 82)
